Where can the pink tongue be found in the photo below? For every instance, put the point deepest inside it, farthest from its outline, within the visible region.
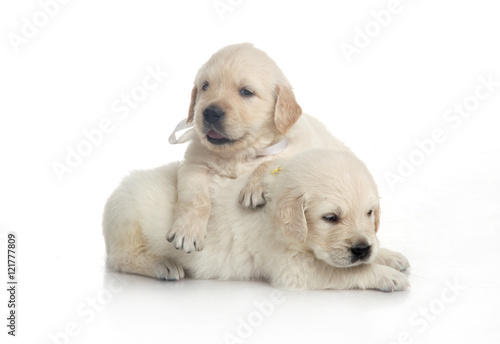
(214, 135)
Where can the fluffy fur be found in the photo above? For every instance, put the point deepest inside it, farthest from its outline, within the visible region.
(241, 103)
(322, 207)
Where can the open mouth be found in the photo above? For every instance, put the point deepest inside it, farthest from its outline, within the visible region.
(217, 138)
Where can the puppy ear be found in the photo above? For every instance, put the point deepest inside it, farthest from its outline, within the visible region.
(287, 111)
(377, 218)
(194, 93)
(290, 215)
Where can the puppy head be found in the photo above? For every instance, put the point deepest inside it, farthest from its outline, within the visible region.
(241, 101)
(327, 203)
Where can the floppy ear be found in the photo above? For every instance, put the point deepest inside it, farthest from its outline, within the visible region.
(377, 218)
(287, 111)
(290, 215)
(194, 92)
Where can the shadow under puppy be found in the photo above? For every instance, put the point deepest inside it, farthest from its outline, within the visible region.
(317, 230)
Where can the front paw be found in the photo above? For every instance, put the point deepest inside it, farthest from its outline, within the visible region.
(392, 259)
(252, 196)
(188, 234)
(387, 279)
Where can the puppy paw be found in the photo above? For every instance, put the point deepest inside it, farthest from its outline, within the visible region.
(392, 259)
(188, 234)
(387, 279)
(252, 196)
(168, 270)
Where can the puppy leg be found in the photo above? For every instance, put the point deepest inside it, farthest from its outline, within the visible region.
(380, 277)
(392, 259)
(147, 265)
(319, 275)
(192, 211)
(253, 195)
(131, 254)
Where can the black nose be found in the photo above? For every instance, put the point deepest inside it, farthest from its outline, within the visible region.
(361, 251)
(213, 114)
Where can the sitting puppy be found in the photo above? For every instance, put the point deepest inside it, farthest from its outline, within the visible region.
(244, 111)
(317, 231)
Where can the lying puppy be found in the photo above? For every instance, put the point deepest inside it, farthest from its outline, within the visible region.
(317, 231)
(241, 105)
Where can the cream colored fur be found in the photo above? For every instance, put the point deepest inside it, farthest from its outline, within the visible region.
(287, 243)
(251, 123)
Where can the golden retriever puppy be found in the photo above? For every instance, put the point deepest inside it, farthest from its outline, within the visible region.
(242, 107)
(317, 230)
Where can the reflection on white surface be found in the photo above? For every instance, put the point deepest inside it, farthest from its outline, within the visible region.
(448, 230)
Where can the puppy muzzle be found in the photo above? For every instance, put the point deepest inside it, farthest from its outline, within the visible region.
(213, 122)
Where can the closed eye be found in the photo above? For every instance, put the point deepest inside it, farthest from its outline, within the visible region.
(370, 212)
(331, 218)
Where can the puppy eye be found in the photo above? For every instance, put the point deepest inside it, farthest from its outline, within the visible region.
(205, 86)
(246, 92)
(331, 218)
(369, 213)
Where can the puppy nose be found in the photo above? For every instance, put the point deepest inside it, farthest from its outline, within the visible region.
(213, 114)
(361, 251)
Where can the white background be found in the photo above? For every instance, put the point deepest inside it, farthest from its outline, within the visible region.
(443, 215)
